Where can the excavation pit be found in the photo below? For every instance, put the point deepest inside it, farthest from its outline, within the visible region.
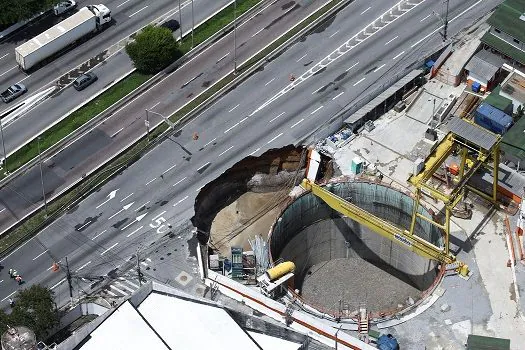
(342, 265)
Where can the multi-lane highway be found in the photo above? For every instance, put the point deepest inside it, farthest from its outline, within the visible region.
(155, 195)
(129, 16)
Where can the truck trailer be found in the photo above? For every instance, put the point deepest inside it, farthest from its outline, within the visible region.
(87, 20)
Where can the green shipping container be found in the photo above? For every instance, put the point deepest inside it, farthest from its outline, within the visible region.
(478, 342)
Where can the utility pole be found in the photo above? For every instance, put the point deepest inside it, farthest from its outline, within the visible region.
(147, 124)
(139, 274)
(445, 22)
(68, 276)
(41, 175)
(3, 146)
(235, 37)
(180, 21)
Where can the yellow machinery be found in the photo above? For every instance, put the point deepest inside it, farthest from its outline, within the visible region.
(280, 270)
(475, 146)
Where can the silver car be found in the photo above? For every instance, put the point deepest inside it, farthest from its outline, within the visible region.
(13, 92)
(64, 6)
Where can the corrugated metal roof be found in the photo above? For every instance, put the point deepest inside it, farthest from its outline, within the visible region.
(507, 18)
(503, 47)
(484, 64)
(472, 133)
(382, 97)
(498, 101)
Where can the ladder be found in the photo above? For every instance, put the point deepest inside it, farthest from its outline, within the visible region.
(363, 322)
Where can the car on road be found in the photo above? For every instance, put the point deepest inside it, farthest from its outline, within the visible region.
(64, 6)
(13, 92)
(84, 81)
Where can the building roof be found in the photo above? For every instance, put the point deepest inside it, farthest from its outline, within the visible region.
(514, 86)
(503, 47)
(473, 133)
(498, 101)
(507, 18)
(513, 141)
(485, 64)
(159, 317)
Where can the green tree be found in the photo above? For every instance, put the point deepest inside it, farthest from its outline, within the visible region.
(35, 308)
(153, 49)
(13, 11)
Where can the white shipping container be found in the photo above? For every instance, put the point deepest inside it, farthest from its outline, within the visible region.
(56, 38)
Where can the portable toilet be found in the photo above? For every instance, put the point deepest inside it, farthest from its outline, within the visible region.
(357, 165)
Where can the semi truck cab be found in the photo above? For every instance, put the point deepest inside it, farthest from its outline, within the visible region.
(102, 13)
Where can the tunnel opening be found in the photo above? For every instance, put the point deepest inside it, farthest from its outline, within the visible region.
(341, 265)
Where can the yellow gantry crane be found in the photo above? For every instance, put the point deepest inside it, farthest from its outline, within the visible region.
(473, 145)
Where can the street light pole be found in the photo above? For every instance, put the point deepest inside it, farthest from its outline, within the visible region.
(147, 123)
(180, 21)
(235, 37)
(192, 23)
(42, 175)
(3, 146)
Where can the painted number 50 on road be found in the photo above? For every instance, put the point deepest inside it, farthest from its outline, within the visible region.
(160, 224)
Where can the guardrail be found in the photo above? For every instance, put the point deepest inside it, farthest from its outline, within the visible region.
(56, 148)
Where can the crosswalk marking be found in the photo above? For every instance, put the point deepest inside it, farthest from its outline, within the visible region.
(117, 289)
(125, 287)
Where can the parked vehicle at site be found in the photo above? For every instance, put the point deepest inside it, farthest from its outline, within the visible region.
(13, 92)
(86, 21)
(64, 6)
(84, 81)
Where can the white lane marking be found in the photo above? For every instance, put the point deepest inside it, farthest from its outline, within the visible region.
(124, 286)
(7, 71)
(268, 83)
(257, 32)
(299, 122)
(4, 56)
(128, 225)
(231, 110)
(202, 166)
(424, 18)
(170, 168)
(439, 28)
(23, 79)
(200, 188)
(137, 230)
(378, 68)
(303, 56)
(210, 142)
(117, 289)
(277, 117)
(116, 133)
(81, 227)
(129, 195)
(360, 80)
(181, 200)
(86, 264)
(399, 54)
(352, 66)
(257, 150)
(143, 205)
(225, 151)
(56, 285)
(122, 3)
(155, 105)
(365, 11)
(159, 215)
(134, 13)
(275, 138)
(10, 295)
(226, 131)
(2, 210)
(339, 94)
(98, 235)
(1, 281)
(39, 255)
(389, 41)
(317, 90)
(334, 34)
(178, 182)
(316, 110)
(243, 120)
(107, 250)
(150, 181)
(223, 57)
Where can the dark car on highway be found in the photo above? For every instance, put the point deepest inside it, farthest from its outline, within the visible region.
(13, 92)
(84, 81)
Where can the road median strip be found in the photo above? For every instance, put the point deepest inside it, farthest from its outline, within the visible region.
(71, 196)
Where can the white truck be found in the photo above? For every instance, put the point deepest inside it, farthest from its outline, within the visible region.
(86, 21)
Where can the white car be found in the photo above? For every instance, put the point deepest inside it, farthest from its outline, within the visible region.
(64, 6)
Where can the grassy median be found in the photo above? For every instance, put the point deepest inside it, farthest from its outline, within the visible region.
(39, 220)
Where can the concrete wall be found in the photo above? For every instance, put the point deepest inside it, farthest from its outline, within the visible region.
(310, 232)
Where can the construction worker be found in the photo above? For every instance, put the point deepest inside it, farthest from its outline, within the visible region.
(18, 278)
(11, 273)
(11, 302)
(292, 77)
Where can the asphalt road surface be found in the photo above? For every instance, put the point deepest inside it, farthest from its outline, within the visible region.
(155, 196)
(129, 16)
